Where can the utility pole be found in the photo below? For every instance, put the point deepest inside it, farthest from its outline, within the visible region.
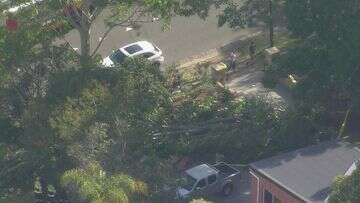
(271, 24)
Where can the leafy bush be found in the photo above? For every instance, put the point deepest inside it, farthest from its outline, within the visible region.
(92, 184)
(346, 188)
(270, 79)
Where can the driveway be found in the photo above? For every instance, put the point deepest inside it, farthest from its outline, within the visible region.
(187, 36)
(241, 192)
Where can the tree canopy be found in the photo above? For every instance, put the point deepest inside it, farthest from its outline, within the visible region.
(346, 188)
(92, 184)
(327, 57)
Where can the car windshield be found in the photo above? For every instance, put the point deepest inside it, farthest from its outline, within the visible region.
(133, 49)
(118, 56)
(188, 183)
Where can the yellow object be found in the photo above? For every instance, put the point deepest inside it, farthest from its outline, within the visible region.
(219, 72)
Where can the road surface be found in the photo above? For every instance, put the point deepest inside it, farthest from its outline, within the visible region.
(187, 37)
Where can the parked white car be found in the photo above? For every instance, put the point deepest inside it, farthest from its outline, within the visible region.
(141, 49)
(20, 6)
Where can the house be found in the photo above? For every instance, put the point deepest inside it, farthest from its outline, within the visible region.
(304, 175)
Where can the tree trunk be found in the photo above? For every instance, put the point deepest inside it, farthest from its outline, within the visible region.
(85, 57)
(82, 24)
(271, 25)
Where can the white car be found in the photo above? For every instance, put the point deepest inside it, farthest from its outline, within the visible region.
(20, 6)
(142, 49)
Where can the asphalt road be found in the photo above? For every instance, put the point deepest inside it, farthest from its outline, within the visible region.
(187, 37)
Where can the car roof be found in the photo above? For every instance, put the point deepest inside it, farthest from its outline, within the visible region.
(201, 171)
(138, 47)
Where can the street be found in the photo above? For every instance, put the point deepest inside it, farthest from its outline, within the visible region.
(188, 36)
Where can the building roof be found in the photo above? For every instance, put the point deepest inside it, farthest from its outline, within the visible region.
(308, 172)
(201, 171)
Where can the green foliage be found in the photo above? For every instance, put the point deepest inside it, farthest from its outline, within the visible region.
(75, 114)
(256, 122)
(249, 125)
(329, 55)
(200, 7)
(301, 127)
(25, 113)
(200, 102)
(10, 132)
(247, 13)
(271, 77)
(254, 129)
(299, 17)
(346, 188)
(140, 92)
(80, 117)
(326, 59)
(92, 184)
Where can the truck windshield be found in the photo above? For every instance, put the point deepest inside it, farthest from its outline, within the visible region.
(189, 182)
(118, 56)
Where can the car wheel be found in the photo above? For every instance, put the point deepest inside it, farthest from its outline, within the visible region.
(228, 189)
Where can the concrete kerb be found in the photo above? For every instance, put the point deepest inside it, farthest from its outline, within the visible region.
(212, 55)
(215, 55)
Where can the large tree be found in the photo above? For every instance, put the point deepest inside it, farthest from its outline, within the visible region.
(77, 116)
(328, 56)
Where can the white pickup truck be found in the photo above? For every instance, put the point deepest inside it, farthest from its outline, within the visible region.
(207, 179)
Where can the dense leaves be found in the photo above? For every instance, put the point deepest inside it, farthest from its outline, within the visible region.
(241, 14)
(74, 124)
(325, 59)
(346, 188)
(332, 35)
(92, 184)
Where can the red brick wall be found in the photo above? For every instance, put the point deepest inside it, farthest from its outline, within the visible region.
(254, 187)
(260, 183)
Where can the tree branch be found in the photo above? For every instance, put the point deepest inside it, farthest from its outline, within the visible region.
(102, 40)
(137, 14)
(127, 20)
(95, 14)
